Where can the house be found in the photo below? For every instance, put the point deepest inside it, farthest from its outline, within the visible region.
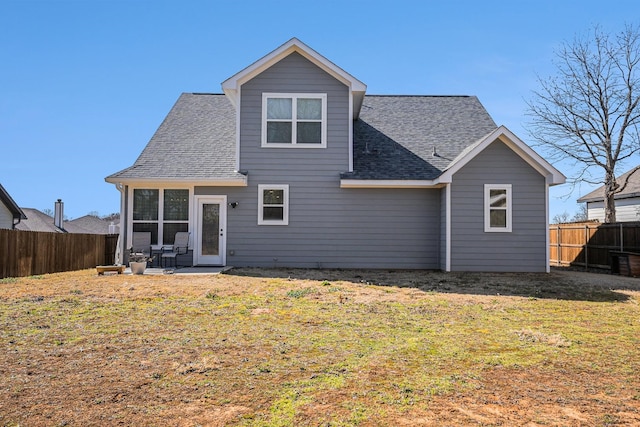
(627, 201)
(88, 224)
(294, 165)
(10, 213)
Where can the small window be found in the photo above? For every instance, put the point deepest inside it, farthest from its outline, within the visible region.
(273, 204)
(294, 120)
(497, 207)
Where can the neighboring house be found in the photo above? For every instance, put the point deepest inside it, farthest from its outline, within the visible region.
(38, 221)
(88, 224)
(10, 213)
(295, 166)
(627, 201)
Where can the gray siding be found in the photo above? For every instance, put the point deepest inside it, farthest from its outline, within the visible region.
(328, 226)
(294, 74)
(521, 250)
(6, 217)
(626, 210)
(443, 229)
(340, 228)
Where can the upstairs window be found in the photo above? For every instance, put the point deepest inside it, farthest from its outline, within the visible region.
(497, 208)
(294, 120)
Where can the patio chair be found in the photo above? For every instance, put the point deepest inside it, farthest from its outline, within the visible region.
(141, 243)
(180, 247)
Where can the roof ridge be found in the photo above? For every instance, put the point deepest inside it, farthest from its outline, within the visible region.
(421, 96)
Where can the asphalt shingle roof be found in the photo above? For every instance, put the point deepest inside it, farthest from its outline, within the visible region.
(196, 141)
(631, 190)
(394, 138)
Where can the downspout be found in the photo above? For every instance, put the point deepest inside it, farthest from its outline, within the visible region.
(119, 252)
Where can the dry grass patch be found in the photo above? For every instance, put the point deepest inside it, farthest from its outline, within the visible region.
(320, 347)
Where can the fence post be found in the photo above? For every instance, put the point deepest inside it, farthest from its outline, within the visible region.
(586, 247)
(559, 254)
(621, 238)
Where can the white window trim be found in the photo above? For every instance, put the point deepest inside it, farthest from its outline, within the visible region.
(294, 97)
(285, 211)
(487, 208)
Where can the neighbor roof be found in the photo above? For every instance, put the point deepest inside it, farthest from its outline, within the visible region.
(632, 189)
(37, 221)
(40, 221)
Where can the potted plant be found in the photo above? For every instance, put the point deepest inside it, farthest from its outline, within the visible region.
(138, 261)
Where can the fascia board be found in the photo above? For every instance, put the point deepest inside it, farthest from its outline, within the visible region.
(525, 152)
(231, 85)
(238, 182)
(391, 183)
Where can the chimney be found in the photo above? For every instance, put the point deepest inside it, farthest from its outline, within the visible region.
(58, 214)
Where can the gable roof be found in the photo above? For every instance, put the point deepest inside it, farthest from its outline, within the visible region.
(232, 85)
(15, 210)
(394, 140)
(631, 190)
(553, 175)
(195, 143)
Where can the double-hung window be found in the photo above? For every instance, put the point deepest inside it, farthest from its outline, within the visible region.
(497, 208)
(294, 120)
(162, 212)
(273, 204)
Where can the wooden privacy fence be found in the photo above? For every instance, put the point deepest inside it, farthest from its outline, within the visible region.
(26, 253)
(589, 244)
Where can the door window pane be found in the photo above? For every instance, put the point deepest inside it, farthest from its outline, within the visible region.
(210, 244)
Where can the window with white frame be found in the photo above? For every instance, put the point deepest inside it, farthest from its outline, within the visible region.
(497, 208)
(162, 223)
(273, 204)
(294, 120)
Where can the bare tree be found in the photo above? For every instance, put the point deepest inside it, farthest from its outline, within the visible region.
(561, 218)
(582, 214)
(589, 112)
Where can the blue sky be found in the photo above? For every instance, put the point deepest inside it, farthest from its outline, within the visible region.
(84, 84)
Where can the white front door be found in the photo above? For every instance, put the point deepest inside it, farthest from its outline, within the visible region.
(211, 230)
